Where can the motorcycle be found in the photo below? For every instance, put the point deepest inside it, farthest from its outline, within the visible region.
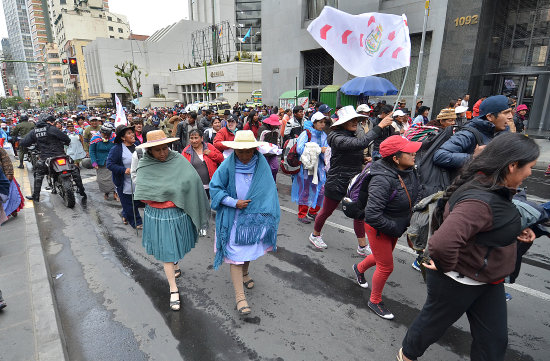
(60, 177)
(32, 155)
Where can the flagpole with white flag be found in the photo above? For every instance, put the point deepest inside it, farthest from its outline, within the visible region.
(120, 115)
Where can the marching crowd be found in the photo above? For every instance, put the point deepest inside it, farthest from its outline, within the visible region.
(450, 184)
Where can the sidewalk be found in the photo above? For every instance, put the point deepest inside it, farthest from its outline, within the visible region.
(28, 325)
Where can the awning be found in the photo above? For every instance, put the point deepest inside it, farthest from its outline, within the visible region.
(331, 89)
(291, 94)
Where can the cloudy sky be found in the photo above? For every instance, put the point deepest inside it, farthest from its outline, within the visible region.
(145, 16)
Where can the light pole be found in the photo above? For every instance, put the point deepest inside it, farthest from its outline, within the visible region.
(240, 26)
(252, 60)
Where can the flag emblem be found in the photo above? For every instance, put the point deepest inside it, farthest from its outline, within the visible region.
(373, 40)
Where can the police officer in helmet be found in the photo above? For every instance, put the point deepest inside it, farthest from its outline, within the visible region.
(20, 131)
(50, 142)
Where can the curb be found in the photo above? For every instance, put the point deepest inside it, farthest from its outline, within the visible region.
(47, 330)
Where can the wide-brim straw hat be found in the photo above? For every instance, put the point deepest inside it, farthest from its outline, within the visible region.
(244, 139)
(345, 114)
(156, 137)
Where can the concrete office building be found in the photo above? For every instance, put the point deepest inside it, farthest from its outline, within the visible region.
(157, 57)
(8, 69)
(472, 46)
(41, 35)
(242, 15)
(53, 75)
(81, 22)
(21, 46)
(233, 81)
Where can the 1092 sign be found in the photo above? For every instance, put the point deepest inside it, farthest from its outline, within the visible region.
(467, 20)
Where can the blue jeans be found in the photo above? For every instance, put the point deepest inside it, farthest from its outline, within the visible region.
(128, 209)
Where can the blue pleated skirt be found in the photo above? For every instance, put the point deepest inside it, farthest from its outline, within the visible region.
(168, 233)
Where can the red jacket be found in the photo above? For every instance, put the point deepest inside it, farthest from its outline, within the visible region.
(254, 128)
(476, 108)
(223, 135)
(212, 160)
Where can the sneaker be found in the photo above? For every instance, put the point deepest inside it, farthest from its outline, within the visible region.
(311, 216)
(381, 310)
(364, 251)
(416, 266)
(304, 220)
(202, 233)
(317, 241)
(360, 277)
(508, 296)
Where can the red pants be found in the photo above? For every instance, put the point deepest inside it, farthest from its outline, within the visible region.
(382, 247)
(303, 209)
(329, 205)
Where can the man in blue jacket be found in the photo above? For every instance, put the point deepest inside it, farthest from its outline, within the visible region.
(494, 112)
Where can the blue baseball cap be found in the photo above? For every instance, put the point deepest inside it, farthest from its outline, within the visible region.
(493, 105)
(324, 108)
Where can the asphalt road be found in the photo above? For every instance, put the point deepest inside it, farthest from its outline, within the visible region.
(113, 298)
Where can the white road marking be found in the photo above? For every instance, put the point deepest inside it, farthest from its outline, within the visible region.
(515, 286)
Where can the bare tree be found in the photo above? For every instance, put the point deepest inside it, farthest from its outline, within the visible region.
(129, 73)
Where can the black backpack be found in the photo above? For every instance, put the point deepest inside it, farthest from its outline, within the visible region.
(432, 177)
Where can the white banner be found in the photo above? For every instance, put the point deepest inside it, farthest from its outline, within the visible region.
(365, 44)
(120, 115)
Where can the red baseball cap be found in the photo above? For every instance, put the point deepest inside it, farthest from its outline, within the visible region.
(397, 143)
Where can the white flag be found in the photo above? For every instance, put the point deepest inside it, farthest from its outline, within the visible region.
(365, 44)
(120, 115)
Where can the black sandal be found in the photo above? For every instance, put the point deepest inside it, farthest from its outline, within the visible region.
(175, 305)
(245, 310)
(177, 273)
(248, 284)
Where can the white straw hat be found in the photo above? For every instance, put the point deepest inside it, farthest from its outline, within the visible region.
(345, 114)
(244, 139)
(156, 137)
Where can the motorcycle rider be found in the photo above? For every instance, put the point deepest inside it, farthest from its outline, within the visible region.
(21, 130)
(50, 142)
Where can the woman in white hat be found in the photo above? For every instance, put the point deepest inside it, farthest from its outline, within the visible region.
(245, 197)
(346, 161)
(308, 184)
(176, 205)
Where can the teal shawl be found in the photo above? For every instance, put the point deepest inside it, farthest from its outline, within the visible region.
(174, 180)
(262, 213)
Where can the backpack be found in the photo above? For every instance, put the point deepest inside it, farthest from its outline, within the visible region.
(355, 201)
(419, 230)
(435, 178)
(290, 159)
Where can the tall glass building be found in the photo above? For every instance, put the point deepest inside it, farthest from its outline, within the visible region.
(21, 46)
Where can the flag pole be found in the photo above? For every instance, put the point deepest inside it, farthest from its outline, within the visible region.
(401, 90)
(421, 54)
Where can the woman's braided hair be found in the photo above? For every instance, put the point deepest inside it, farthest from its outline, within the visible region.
(490, 166)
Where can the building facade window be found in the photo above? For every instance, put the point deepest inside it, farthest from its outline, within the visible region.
(120, 30)
(111, 28)
(248, 14)
(314, 7)
(110, 18)
(318, 71)
(525, 35)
